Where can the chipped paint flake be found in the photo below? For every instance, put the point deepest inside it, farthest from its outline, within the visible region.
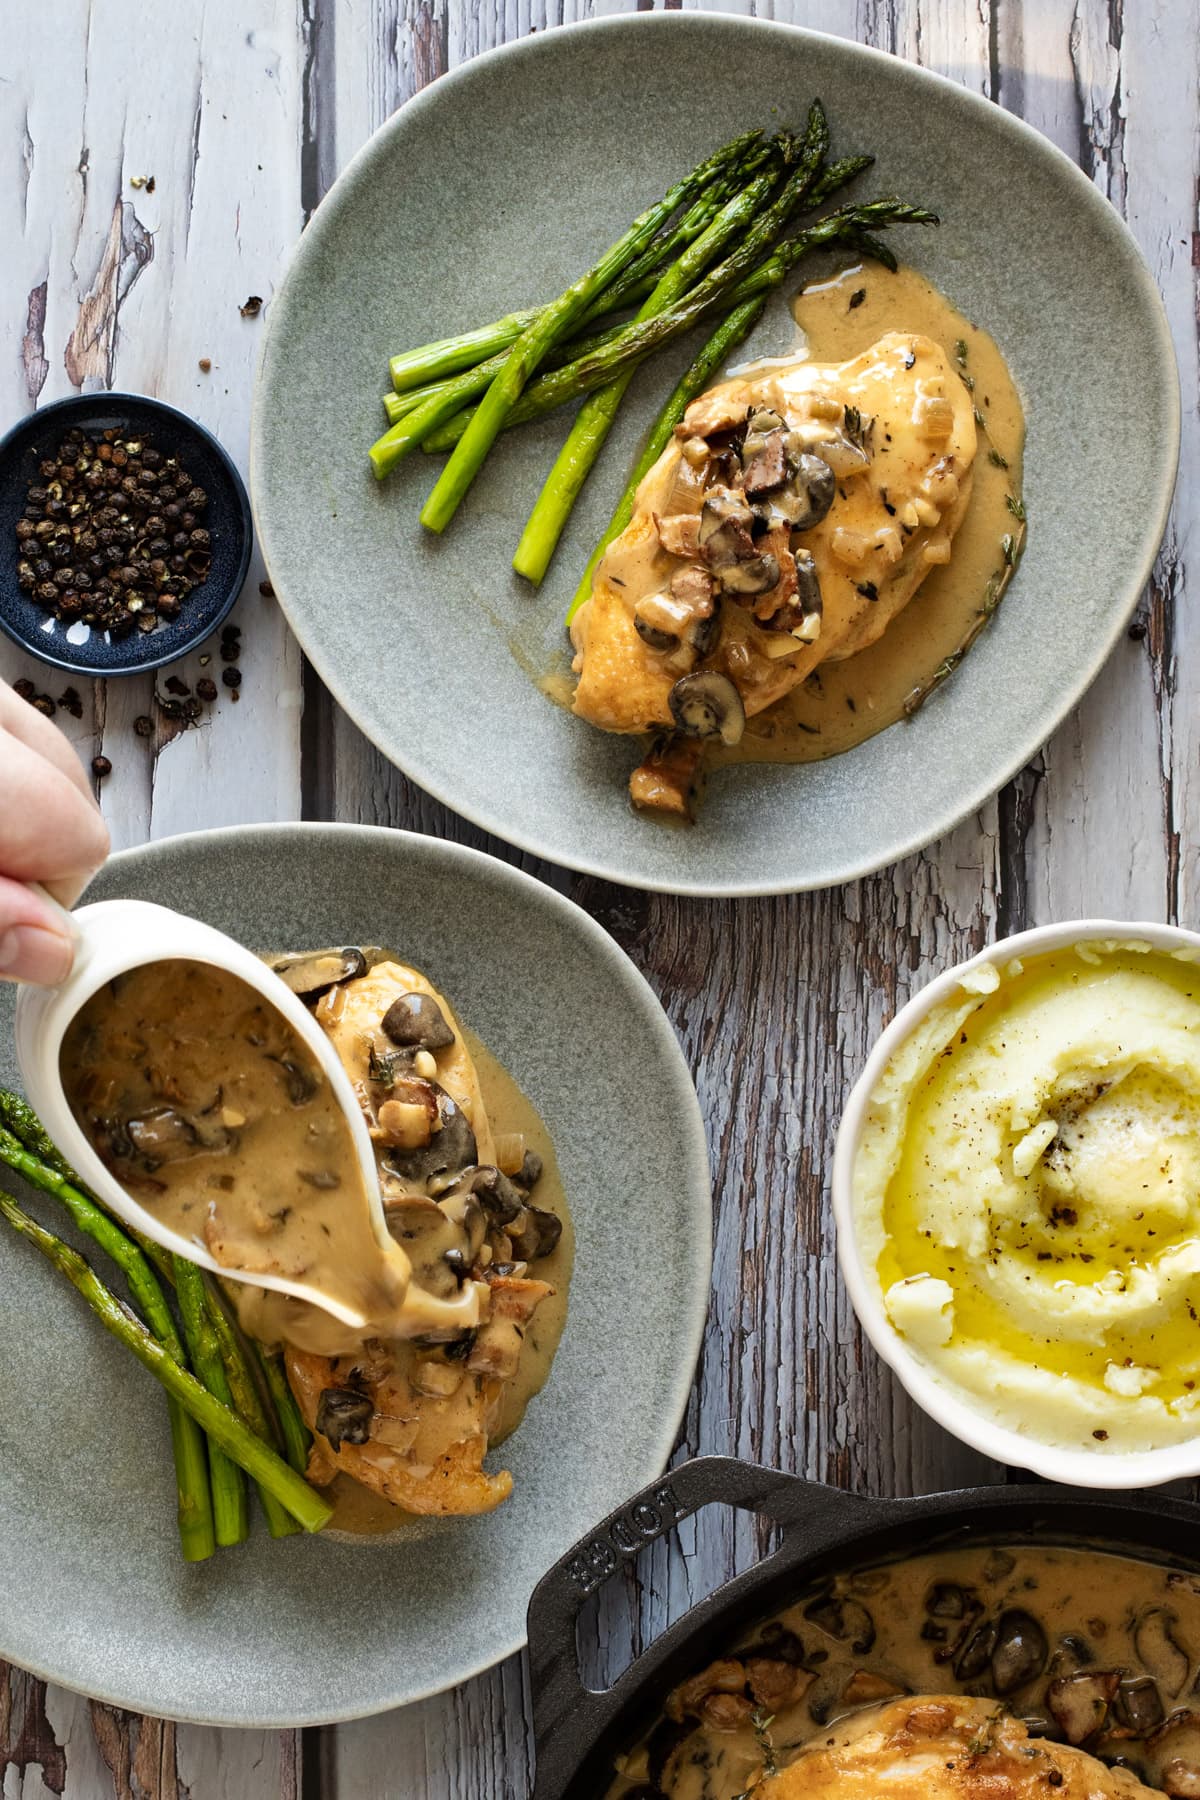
(91, 347)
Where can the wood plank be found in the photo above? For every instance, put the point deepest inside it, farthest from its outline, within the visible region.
(108, 285)
(115, 286)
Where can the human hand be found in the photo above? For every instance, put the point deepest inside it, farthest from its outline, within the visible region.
(51, 831)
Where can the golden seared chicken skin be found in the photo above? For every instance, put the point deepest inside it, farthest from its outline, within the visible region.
(797, 511)
(411, 1419)
(944, 1748)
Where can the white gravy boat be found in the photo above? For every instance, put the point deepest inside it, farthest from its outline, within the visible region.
(113, 936)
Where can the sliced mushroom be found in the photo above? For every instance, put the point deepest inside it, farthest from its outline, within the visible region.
(416, 1021)
(442, 1244)
(1080, 1702)
(725, 528)
(1019, 1652)
(495, 1193)
(451, 1148)
(811, 491)
(757, 575)
(947, 1600)
(534, 1233)
(311, 973)
(530, 1172)
(841, 1618)
(706, 704)
(464, 1209)
(800, 615)
(693, 587)
(776, 1684)
(166, 1135)
(666, 781)
(344, 1416)
(1138, 1704)
(653, 636)
(976, 1653)
(301, 1083)
(1159, 1651)
(766, 465)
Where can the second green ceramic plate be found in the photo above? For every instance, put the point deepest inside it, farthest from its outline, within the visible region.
(495, 188)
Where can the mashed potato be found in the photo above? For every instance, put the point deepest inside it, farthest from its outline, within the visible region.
(1027, 1194)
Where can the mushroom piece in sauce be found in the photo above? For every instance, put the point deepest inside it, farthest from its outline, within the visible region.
(311, 973)
(417, 1022)
(344, 1416)
(450, 1148)
(706, 704)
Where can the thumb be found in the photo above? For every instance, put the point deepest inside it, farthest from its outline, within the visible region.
(36, 940)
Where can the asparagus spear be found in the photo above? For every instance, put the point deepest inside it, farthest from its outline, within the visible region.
(442, 400)
(636, 341)
(733, 329)
(228, 1489)
(187, 1440)
(247, 1401)
(447, 356)
(553, 324)
(296, 1435)
(221, 1424)
(595, 418)
(452, 395)
(447, 397)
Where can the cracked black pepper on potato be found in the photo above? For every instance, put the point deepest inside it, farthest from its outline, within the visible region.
(112, 534)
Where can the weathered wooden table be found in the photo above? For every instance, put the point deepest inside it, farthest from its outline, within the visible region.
(243, 116)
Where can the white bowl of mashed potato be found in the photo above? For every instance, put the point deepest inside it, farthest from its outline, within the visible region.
(1016, 1186)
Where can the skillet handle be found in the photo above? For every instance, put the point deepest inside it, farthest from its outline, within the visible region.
(567, 1715)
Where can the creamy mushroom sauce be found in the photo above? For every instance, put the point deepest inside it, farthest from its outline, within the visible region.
(356, 1509)
(214, 1114)
(210, 1108)
(1088, 1647)
(845, 702)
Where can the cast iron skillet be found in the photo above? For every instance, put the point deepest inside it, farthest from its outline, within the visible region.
(578, 1732)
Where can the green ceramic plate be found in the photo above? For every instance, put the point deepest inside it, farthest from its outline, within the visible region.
(496, 187)
(307, 1630)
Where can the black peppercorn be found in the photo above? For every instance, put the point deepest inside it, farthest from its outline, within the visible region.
(231, 677)
(143, 726)
(206, 688)
(101, 767)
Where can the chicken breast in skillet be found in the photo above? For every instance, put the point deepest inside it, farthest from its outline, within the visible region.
(950, 1748)
(797, 511)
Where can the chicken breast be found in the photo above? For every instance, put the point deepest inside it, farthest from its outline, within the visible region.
(351, 1015)
(795, 514)
(945, 1748)
(411, 1420)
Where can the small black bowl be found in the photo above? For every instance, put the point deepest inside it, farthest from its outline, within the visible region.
(226, 518)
